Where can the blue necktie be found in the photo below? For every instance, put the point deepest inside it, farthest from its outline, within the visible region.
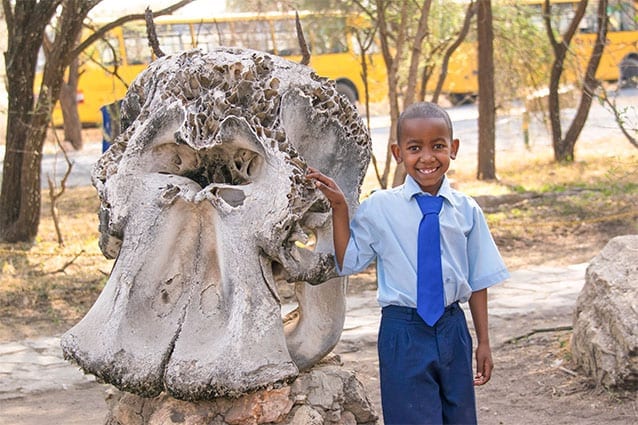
(430, 302)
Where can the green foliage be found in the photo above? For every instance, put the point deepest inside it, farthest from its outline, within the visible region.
(520, 53)
(519, 189)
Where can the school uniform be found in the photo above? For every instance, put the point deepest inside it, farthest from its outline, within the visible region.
(426, 371)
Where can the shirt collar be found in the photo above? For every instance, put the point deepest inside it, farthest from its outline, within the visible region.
(411, 188)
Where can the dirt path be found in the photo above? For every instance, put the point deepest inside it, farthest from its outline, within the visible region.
(533, 382)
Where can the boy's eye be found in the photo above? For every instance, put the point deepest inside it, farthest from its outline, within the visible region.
(414, 148)
(439, 146)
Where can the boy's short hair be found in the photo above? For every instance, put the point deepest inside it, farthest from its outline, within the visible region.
(424, 110)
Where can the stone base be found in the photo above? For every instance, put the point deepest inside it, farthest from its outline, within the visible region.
(327, 394)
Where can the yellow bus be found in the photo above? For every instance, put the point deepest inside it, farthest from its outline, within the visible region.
(619, 61)
(110, 65)
(620, 56)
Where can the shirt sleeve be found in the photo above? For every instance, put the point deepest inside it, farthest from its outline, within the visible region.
(486, 266)
(360, 250)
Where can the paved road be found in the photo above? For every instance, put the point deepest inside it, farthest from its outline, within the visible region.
(34, 377)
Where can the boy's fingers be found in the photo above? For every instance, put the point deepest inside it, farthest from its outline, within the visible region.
(320, 178)
(483, 374)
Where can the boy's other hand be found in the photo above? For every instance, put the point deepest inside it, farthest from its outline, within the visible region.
(484, 364)
(328, 187)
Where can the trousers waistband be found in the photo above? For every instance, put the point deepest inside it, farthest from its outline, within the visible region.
(409, 313)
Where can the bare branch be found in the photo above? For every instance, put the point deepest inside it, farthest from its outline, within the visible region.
(465, 29)
(515, 339)
(152, 34)
(115, 72)
(547, 19)
(617, 116)
(53, 195)
(68, 263)
(305, 58)
(98, 34)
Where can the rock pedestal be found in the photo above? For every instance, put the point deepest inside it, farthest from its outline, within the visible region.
(327, 394)
(605, 339)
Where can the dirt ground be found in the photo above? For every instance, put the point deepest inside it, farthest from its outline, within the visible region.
(534, 381)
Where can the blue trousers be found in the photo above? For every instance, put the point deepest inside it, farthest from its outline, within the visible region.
(426, 372)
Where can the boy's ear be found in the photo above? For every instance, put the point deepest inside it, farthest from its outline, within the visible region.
(396, 153)
(455, 148)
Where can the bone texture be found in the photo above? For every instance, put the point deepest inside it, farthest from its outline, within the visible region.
(205, 207)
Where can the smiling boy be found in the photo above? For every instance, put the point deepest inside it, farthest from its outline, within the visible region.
(425, 369)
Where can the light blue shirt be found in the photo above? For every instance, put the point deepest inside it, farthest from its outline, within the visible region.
(386, 227)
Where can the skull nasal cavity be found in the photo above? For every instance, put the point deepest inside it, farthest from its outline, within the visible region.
(238, 168)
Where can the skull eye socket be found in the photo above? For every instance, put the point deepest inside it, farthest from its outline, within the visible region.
(248, 164)
(172, 159)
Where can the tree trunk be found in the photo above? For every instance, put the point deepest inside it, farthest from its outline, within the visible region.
(553, 100)
(415, 58)
(392, 67)
(465, 29)
(26, 123)
(562, 149)
(19, 197)
(588, 90)
(487, 108)
(69, 104)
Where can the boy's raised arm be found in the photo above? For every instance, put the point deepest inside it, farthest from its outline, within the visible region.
(340, 214)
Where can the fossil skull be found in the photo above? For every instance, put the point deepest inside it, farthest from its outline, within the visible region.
(205, 207)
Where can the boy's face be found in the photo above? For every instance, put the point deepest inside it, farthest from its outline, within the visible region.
(425, 149)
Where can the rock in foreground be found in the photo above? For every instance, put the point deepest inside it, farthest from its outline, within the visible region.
(605, 339)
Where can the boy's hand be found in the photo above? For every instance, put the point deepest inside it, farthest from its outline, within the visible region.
(340, 221)
(484, 364)
(328, 187)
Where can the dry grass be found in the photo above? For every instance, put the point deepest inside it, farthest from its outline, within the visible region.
(45, 286)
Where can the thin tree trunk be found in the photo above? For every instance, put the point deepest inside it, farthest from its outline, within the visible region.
(392, 66)
(415, 59)
(69, 105)
(465, 29)
(589, 86)
(486, 169)
(562, 151)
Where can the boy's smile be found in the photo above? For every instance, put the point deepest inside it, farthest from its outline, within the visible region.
(425, 149)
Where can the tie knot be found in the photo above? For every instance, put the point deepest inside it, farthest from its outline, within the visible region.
(429, 204)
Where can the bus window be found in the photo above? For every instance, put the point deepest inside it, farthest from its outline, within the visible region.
(108, 51)
(211, 34)
(253, 35)
(285, 34)
(173, 38)
(328, 35)
(622, 16)
(136, 45)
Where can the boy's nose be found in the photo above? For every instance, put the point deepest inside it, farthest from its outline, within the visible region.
(427, 155)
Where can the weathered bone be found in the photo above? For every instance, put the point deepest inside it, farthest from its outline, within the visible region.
(205, 205)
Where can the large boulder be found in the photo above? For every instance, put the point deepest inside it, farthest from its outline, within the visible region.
(605, 339)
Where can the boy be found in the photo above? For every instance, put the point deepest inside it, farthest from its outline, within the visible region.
(425, 369)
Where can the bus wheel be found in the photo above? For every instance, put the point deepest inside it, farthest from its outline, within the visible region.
(629, 72)
(458, 99)
(347, 91)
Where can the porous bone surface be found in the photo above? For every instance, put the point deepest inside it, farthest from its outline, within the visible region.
(205, 206)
